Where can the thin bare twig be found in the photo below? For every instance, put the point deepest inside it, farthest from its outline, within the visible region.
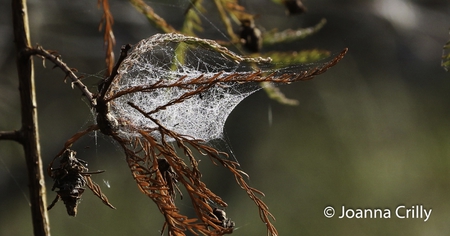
(55, 59)
(11, 135)
(29, 128)
(104, 85)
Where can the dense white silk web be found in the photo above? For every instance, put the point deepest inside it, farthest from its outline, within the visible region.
(164, 59)
(190, 85)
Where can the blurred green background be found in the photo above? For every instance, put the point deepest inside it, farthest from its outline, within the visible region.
(373, 132)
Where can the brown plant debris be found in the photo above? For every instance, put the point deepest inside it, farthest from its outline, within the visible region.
(70, 178)
(159, 150)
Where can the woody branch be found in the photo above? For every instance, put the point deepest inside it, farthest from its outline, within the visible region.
(55, 59)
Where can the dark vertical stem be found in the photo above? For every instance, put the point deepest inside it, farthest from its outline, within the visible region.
(29, 132)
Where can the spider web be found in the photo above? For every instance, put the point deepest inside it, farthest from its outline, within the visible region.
(157, 61)
(166, 76)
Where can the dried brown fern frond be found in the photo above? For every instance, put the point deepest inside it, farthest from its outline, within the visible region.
(153, 184)
(143, 157)
(108, 35)
(159, 109)
(150, 98)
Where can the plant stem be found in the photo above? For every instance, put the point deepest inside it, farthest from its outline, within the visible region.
(10, 135)
(29, 131)
(39, 51)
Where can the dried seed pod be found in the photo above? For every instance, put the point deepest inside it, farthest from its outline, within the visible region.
(70, 178)
(69, 181)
